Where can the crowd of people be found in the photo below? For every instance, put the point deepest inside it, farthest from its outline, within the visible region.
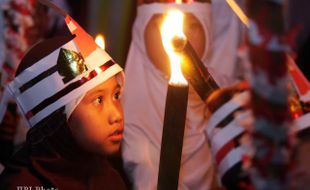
(67, 107)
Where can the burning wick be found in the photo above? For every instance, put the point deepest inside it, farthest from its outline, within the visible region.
(179, 43)
(100, 41)
(193, 68)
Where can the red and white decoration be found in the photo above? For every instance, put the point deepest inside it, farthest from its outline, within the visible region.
(269, 95)
(225, 138)
(18, 19)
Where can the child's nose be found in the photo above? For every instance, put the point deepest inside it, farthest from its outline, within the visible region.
(116, 114)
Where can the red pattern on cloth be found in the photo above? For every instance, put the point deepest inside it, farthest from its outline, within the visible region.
(270, 162)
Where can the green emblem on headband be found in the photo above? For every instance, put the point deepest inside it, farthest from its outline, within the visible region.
(70, 64)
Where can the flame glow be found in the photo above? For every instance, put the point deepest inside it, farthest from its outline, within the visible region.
(100, 41)
(172, 26)
(235, 7)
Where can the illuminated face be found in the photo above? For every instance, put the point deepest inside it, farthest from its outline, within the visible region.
(97, 122)
(153, 42)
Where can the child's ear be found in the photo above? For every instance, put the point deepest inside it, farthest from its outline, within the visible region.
(120, 78)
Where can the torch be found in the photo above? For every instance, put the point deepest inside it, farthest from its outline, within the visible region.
(176, 106)
(193, 68)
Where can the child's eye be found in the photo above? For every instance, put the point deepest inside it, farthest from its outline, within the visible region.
(117, 95)
(98, 100)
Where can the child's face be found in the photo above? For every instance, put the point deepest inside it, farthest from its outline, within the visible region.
(97, 122)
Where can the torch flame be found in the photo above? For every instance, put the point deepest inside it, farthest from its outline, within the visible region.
(172, 27)
(100, 41)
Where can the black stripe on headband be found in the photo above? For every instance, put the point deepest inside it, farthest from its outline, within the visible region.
(38, 78)
(69, 65)
(67, 90)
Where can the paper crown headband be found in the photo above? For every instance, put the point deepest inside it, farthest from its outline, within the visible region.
(60, 77)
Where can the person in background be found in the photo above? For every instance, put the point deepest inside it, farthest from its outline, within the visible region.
(147, 68)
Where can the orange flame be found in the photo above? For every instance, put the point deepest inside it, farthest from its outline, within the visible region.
(100, 41)
(172, 26)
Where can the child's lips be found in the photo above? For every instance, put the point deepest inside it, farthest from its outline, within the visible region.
(117, 135)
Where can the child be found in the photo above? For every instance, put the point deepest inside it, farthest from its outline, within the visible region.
(69, 90)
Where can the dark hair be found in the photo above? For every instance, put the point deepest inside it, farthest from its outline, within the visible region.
(41, 50)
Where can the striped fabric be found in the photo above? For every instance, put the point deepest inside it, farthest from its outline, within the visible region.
(225, 130)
